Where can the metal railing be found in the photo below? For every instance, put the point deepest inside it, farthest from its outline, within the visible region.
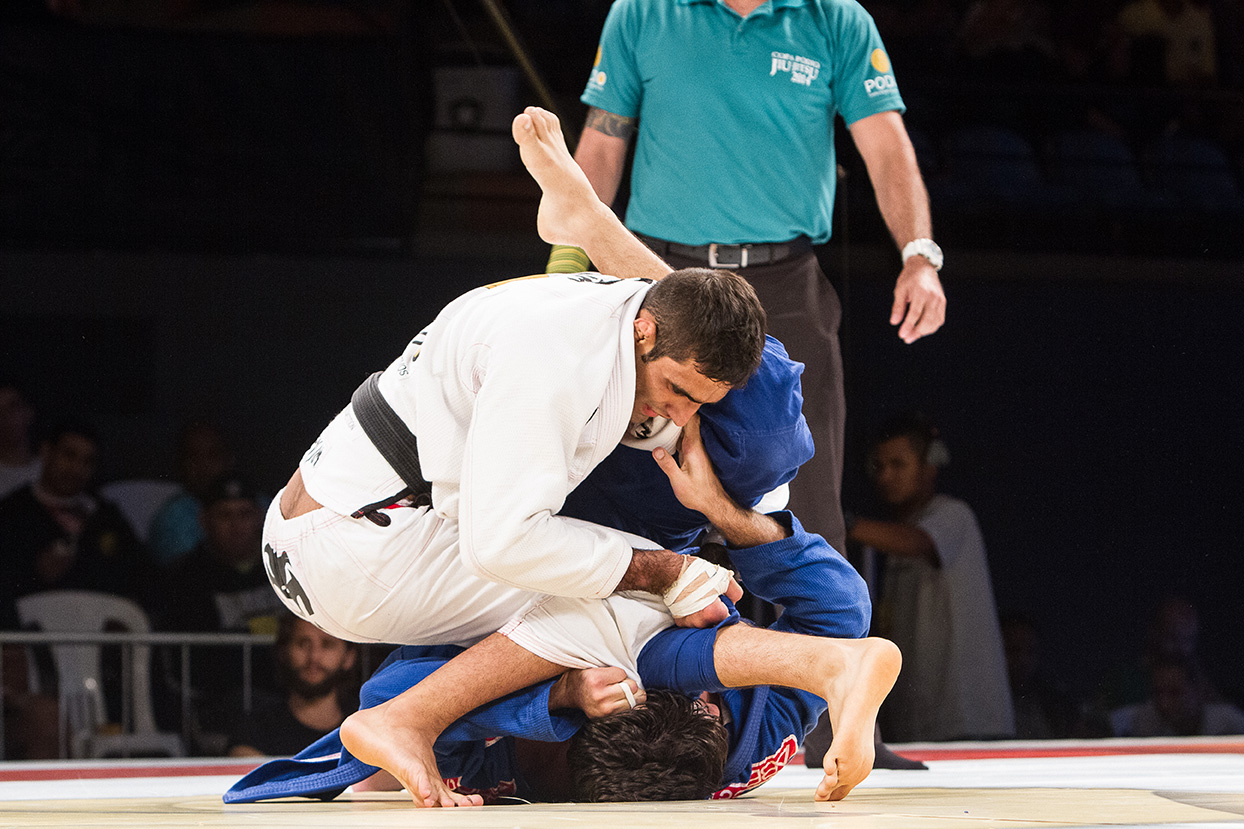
(247, 642)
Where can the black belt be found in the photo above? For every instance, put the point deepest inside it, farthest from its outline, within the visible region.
(732, 256)
(396, 444)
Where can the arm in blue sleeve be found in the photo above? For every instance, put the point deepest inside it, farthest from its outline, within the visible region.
(820, 592)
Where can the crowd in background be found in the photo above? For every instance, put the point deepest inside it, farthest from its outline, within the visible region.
(196, 566)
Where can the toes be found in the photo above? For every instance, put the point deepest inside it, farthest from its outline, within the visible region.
(521, 126)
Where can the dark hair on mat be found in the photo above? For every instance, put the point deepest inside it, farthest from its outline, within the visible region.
(669, 748)
(712, 318)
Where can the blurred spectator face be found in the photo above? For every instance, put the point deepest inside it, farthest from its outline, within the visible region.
(1175, 629)
(1176, 698)
(901, 476)
(315, 661)
(204, 456)
(232, 527)
(1023, 650)
(68, 464)
(16, 415)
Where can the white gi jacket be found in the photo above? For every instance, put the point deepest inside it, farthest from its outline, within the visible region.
(518, 392)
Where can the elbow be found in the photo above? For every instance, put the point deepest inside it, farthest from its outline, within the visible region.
(487, 562)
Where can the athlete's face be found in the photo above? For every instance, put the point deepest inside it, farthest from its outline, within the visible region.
(710, 704)
(667, 388)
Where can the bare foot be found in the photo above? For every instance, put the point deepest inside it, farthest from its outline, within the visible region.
(381, 781)
(567, 193)
(854, 695)
(403, 749)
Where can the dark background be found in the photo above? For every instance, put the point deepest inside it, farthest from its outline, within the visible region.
(240, 212)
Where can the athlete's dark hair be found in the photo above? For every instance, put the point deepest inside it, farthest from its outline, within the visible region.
(669, 748)
(712, 318)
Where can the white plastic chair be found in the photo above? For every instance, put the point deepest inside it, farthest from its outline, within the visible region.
(139, 500)
(83, 712)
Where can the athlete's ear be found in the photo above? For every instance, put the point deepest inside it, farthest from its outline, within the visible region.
(645, 328)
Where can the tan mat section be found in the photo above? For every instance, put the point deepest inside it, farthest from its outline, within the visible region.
(865, 809)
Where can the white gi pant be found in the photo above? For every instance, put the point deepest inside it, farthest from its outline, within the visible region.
(405, 584)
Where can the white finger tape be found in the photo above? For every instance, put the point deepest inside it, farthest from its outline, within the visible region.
(699, 586)
(626, 692)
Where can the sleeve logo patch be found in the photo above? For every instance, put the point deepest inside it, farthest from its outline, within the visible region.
(880, 85)
(879, 60)
(802, 70)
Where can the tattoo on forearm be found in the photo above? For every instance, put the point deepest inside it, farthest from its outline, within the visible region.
(617, 126)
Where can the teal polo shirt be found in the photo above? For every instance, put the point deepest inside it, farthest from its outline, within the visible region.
(736, 115)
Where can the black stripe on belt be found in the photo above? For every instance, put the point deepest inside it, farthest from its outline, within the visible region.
(396, 444)
(731, 256)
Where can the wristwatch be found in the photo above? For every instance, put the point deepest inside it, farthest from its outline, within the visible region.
(926, 248)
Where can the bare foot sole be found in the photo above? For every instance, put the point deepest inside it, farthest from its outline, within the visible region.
(403, 750)
(566, 189)
(854, 698)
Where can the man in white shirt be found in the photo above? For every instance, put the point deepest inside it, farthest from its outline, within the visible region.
(937, 601)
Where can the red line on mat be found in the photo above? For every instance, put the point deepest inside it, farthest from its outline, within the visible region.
(104, 772)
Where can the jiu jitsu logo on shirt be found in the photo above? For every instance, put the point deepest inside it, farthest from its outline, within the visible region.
(802, 70)
(277, 567)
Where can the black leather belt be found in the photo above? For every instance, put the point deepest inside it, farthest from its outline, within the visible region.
(732, 256)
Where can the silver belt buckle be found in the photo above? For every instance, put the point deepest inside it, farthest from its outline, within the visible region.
(712, 257)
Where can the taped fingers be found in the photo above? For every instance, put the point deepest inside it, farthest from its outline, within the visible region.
(698, 586)
(628, 693)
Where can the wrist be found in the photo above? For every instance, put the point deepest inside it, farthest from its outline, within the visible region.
(927, 249)
(559, 694)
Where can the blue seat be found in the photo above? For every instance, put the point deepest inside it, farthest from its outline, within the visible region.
(1099, 168)
(1196, 173)
(997, 164)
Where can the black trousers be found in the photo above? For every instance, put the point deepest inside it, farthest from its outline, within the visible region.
(804, 314)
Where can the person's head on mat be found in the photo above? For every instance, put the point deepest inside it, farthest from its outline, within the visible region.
(671, 747)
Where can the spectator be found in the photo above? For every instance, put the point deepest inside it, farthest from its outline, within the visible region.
(1180, 35)
(31, 719)
(19, 464)
(318, 688)
(203, 456)
(1009, 40)
(220, 586)
(1043, 708)
(57, 534)
(1178, 706)
(937, 601)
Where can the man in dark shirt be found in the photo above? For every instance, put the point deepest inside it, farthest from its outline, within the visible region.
(56, 534)
(220, 587)
(317, 674)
